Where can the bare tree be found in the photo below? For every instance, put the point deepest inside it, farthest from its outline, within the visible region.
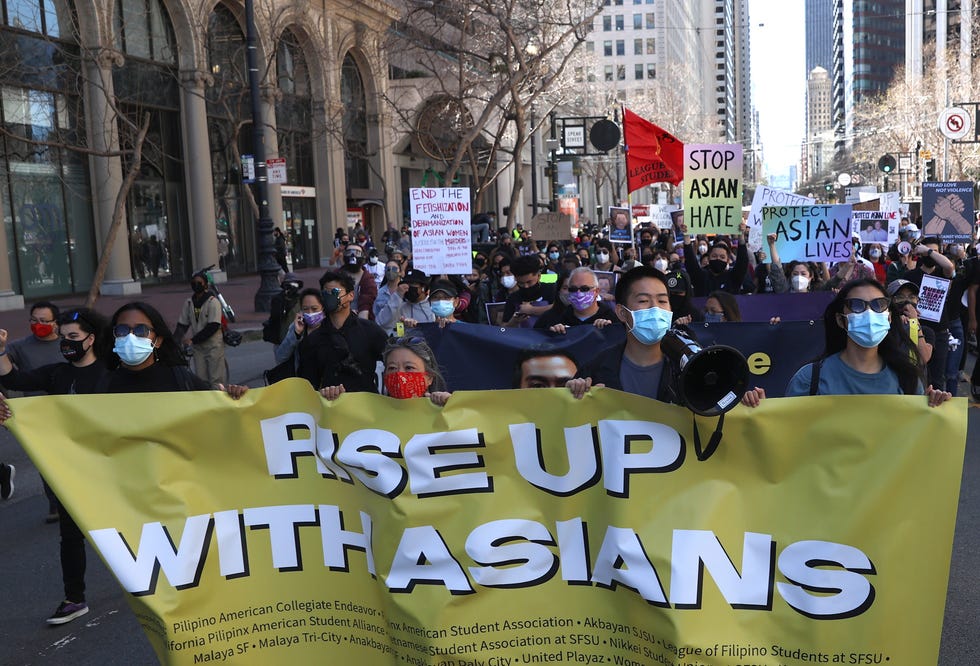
(485, 67)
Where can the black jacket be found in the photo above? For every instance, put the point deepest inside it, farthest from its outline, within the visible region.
(604, 369)
(348, 356)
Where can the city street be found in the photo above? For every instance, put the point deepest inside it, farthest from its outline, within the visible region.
(109, 634)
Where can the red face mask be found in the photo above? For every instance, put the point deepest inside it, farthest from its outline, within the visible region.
(404, 385)
(42, 330)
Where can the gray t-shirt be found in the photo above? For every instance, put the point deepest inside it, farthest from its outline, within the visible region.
(29, 353)
(838, 378)
(641, 379)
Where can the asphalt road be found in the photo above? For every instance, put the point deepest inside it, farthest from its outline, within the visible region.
(30, 575)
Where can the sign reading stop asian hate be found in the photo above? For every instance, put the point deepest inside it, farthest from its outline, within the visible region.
(712, 188)
(441, 234)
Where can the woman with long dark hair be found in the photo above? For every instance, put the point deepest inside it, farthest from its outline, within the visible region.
(865, 351)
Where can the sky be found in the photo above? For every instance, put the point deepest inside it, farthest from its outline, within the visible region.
(779, 79)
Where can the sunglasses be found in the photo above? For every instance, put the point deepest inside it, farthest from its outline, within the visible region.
(583, 288)
(857, 305)
(140, 330)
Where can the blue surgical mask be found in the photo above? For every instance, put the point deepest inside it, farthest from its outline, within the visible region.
(714, 317)
(442, 308)
(650, 325)
(133, 350)
(868, 328)
(553, 256)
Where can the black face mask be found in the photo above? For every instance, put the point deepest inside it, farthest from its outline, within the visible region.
(531, 293)
(198, 287)
(73, 350)
(331, 302)
(717, 266)
(414, 294)
(645, 242)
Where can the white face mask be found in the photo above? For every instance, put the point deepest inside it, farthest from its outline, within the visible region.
(800, 282)
(508, 281)
(660, 265)
(702, 249)
(603, 257)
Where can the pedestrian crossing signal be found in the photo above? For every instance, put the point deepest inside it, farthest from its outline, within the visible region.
(887, 163)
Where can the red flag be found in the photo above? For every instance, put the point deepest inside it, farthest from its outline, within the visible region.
(653, 155)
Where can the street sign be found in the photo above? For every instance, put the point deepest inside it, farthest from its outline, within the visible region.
(276, 169)
(925, 154)
(248, 169)
(574, 136)
(954, 123)
(904, 163)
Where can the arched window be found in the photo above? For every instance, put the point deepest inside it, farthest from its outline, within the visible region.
(148, 83)
(355, 124)
(142, 30)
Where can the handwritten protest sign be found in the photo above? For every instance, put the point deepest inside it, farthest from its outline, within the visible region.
(769, 196)
(551, 226)
(809, 233)
(712, 188)
(441, 230)
(932, 297)
(876, 226)
(947, 211)
(660, 215)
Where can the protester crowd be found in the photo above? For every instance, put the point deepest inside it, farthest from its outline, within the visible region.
(356, 330)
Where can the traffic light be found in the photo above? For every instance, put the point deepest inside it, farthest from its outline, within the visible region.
(829, 187)
(887, 163)
(931, 169)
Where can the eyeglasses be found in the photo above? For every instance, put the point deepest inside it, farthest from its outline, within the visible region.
(140, 330)
(584, 288)
(914, 302)
(857, 305)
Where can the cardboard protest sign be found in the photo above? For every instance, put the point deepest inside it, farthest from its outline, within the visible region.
(509, 526)
(932, 297)
(810, 233)
(441, 233)
(947, 211)
(551, 226)
(713, 188)
(875, 226)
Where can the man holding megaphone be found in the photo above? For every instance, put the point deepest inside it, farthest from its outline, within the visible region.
(658, 362)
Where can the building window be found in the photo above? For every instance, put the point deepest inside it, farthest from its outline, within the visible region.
(620, 47)
(46, 17)
(354, 101)
(590, 47)
(607, 48)
(143, 30)
(609, 72)
(607, 23)
(637, 21)
(637, 47)
(638, 72)
(651, 20)
(651, 70)
(620, 72)
(620, 22)
(651, 46)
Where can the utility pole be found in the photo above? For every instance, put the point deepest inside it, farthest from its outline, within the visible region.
(268, 268)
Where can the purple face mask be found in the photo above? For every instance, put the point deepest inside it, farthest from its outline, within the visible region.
(580, 300)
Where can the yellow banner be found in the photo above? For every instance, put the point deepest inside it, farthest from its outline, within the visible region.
(513, 527)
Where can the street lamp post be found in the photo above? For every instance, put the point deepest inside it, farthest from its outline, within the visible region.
(268, 268)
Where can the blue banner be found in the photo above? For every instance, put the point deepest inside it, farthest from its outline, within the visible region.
(476, 356)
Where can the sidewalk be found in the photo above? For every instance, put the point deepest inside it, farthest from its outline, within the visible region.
(168, 298)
